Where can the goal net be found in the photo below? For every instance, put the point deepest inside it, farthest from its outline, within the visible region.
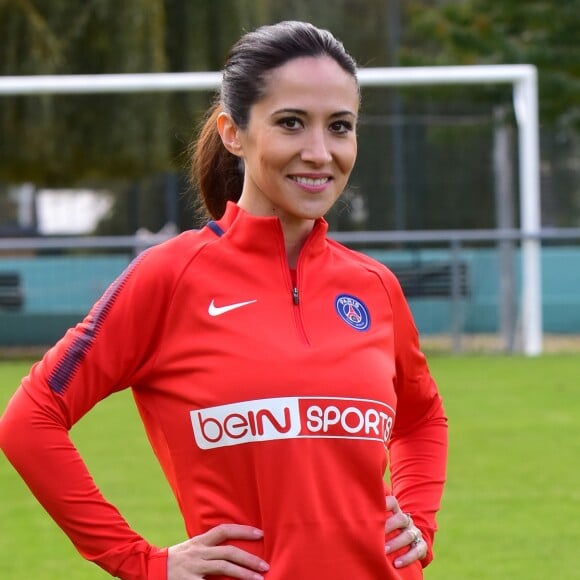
(447, 195)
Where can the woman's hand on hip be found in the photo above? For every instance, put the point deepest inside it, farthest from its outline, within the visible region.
(205, 555)
(410, 535)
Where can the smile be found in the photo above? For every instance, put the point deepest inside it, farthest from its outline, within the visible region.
(309, 181)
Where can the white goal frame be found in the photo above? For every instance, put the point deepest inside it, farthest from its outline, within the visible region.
(523, 79)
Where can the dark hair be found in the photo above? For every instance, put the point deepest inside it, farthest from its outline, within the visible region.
(217, 174)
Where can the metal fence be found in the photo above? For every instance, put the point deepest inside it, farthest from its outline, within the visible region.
(460, 283)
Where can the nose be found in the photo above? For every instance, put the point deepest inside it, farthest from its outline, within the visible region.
(316, 149)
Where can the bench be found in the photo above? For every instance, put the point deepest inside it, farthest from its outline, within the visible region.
(433, 279)
(11, 294)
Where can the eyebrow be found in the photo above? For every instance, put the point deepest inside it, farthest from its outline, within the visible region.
(305, 113)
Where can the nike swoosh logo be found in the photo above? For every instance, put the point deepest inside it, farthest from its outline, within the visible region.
(214, 310)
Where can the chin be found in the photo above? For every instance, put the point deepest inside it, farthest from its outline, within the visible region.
(314, 210)
(312, 214)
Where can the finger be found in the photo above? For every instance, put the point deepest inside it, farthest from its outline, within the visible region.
(392, 504)
(220, 568)
(236, 556)
(224, 532)
(394, 507)
(417, 552)
(399, 519)
(408, 537)
(194, 559)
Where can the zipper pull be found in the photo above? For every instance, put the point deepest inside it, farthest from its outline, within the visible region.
(295, 298)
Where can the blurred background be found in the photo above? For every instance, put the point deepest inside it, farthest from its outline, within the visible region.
(87, 181)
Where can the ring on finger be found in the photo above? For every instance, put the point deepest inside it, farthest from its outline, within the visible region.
(416, 537)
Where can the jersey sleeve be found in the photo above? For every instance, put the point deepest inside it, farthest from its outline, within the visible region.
(418, 446)
(109, 350)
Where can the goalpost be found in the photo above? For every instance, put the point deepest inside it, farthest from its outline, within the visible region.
(523, 79)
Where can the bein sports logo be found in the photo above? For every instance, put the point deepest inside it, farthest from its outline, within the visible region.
(290, 418)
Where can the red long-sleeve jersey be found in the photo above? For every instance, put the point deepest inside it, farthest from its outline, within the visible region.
(271, 398)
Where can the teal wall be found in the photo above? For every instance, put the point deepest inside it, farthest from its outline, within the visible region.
(560, 268)
(59, 290)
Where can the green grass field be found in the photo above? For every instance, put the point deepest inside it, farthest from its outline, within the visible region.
(511, 508)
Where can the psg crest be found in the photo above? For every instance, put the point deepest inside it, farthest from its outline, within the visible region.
(353, 312)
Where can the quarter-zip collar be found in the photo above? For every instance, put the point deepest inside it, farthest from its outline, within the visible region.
(255, 234)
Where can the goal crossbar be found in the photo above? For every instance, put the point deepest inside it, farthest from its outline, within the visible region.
(522, 77)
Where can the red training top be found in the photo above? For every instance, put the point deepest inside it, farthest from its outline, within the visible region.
(269, 401)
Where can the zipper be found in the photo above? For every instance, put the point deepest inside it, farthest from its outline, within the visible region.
(296, 306)
(298, 315)
(295, 296)
(294, 278)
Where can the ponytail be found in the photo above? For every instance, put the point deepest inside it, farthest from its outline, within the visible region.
(215, 172)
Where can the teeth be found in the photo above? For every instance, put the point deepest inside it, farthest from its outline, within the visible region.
(310, 181)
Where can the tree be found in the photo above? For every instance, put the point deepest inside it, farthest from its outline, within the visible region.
(63, 139)
(84, 139)
(539, 32)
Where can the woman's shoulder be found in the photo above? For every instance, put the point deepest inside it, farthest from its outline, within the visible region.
(178, 249)
(362, 260)
(162, 264)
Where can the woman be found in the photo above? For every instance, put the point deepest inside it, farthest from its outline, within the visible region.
(272, 367)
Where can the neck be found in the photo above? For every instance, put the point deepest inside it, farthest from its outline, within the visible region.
(294, 239)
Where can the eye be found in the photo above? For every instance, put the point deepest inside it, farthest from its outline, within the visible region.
(290, 123)
(341, 127)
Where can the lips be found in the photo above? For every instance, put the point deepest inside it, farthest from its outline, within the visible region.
(311, 183)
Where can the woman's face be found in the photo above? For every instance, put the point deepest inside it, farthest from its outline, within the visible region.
(300, 144)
